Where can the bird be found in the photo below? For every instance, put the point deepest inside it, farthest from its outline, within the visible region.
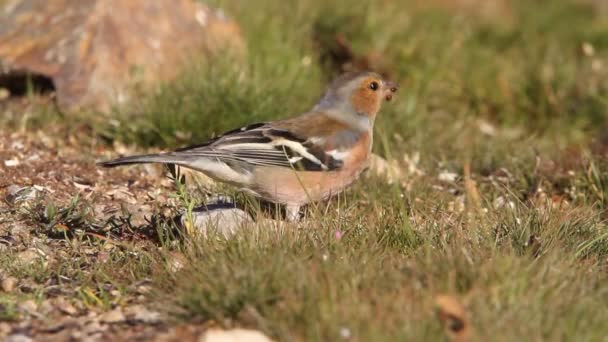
(299, 160)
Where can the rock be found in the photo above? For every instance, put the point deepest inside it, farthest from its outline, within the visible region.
(113, 316)
(8, 284)
(64, 306)
(141, 314)
(176, 261)
(234, 335)
(29, 286)
(5, 329)
(92, 52)
(18, 194)
(28, 306)
(345, 333)
(224, 219)
(144, 289)
(20, 233)
(63, 323)
(46, 307)
(18, 338)
(502, 202)
(448, 177)
(28, 256)
(12, 162)
(90, 329)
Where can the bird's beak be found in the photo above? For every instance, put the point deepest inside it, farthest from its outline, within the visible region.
(389, 89)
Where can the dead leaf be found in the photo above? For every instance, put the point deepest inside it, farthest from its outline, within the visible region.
(453, 317)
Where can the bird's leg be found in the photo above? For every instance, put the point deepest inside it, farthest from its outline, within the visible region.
(292, 212)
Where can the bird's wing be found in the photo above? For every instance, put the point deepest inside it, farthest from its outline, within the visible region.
(264, 144)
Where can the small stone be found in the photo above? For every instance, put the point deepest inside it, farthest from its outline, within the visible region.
(5, 329)
(176, 262)
(18, 338)
(13, 189)
(28, 256)
(29, 306)
(77, 335)
(28, 286)
(20, 231)
(64, 306)
(18, 193)
(144, 289)
(225, 220)
(11, 162)
(113, 316)
(62, 324)
(499, 202)
(345, 333)
(8, 284)
(234, 335)
(141, 314)
(4, 94)
(588, 49)
(448, 177)
(46, 307)
(486, 128)
(93, 328)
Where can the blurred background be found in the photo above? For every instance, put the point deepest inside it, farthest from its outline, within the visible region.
(167, 73)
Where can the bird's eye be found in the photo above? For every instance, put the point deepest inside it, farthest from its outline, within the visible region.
(373, 86)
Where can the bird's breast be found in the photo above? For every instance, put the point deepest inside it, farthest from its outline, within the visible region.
(285, 185)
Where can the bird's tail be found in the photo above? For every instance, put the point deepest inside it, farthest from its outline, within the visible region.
(143, 159)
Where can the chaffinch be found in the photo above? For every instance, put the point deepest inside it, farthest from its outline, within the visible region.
(295, 161)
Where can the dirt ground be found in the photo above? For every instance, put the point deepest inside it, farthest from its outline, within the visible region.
(38, 169)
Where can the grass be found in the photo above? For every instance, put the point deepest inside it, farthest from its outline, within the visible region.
(91, 262)
(379, 283)
(521, 242)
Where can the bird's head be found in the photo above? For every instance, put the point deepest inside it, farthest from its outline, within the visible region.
(358, 93)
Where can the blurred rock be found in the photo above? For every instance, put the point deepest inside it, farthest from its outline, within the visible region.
(18, 338)
(28, 306)
(140, 313)
(91, 328)
(448, 177)
(93, 52)
(176, 261)
(113, 316)
(17, 193)
(5, 329)
(29, 256)
(65, 307)
(8, 284)
(234, 335)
